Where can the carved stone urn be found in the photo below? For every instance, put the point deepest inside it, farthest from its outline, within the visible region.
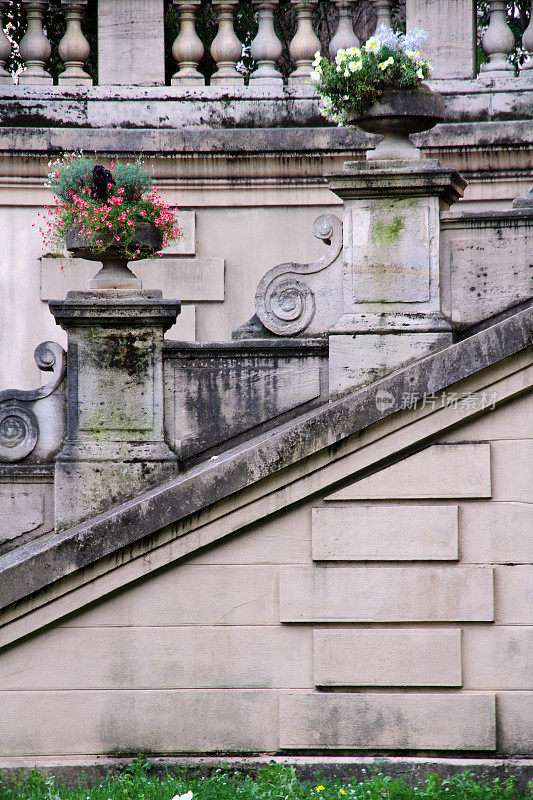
(396, 115)
(115, 273)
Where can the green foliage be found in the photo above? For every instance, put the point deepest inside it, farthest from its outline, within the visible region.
(133, 179)
(70, 175)
(358, 77)
(275, 782)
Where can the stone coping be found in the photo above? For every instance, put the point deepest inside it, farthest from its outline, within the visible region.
(32, 567)
(71, 769)
(46, 141)
(483, 85)
(236, 347)
(176, 107)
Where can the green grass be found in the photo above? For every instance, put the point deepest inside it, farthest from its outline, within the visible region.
(274, 782)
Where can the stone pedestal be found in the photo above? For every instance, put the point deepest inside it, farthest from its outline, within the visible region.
(395, 305)
(115, 445)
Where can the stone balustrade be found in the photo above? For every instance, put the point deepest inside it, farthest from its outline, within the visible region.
(132, 41)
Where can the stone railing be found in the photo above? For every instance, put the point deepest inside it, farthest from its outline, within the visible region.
(131, 41)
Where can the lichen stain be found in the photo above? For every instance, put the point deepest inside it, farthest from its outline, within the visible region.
(125, 351)
(387, 233)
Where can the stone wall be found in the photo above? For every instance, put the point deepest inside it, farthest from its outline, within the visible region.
(392, 614)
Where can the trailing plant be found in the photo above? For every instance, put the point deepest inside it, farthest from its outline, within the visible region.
(357, 77)
(106, 206)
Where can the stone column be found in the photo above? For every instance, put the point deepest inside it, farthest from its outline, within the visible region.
(395, 305)
(344, 35)
(115, 446)
(34, 47)
(305, 42)
(5, 48)
(226, 49)
(74, 49)
(383, 11)
(452, 28)
(266, 47)
(131, 42)
(498, 42)
(187, 48)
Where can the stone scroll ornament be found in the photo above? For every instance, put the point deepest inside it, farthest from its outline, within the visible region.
(284, 303)
(19, 428)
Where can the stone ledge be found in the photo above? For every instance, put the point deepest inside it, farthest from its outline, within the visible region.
(231, 106)
(29, 569)
(249, 142)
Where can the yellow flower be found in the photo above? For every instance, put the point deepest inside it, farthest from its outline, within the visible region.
(342, 791)
(320, 788)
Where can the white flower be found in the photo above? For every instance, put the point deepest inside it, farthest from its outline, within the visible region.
(373, 45)
(355, 66)
(340, 57)
(317, 60)
(339, 69)
(384, 64)
(419, 74)
(346, 73)
(186, 796)
(354, 51)
(414, 55)
(315, 76)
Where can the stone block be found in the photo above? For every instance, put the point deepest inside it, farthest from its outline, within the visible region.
(515, 723)
(131, 42)
(439, 471)
(219, 391)
(21, 511)
(386, 594)
(406, 657)
(385, 533)
(358, 359)
(499, 657)
(451, 44)
(186, 279)
(187, 595)
(510, 421)
(513, 595)
(510, 482)
(284, 539)
(92, 723)
(190, 657)
(185, 328)
(489, 262)
(186, 244)
(393, 721)
(496, 532)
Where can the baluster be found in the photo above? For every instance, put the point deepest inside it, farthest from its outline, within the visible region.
(305, 43)
(527, 41)
(188, 48)
(498, 41)
(74, 48)
(5, 48)
(34, 47)
(383, 10)
(266, 47)
(344, 36)
(226, 48)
